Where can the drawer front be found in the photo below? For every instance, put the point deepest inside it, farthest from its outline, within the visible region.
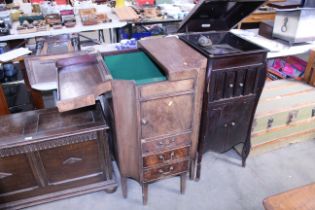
(15, 175)
(166, 157)
(161, 145)
(234, 83)
(166, 115)
(71, 162)
(165, 171)
(164, 88)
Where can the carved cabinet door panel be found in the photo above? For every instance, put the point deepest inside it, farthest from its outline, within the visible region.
(228, 125)
(168, 115)
(16, 176)
(72, 162)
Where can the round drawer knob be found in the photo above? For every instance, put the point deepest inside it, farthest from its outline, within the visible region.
(144, 122)
(233, 123)
(241, 85)
(171, 168)
(225, 125)
(231, 85)
(161, 157)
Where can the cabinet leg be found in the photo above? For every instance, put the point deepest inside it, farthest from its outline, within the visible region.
(183, 178)
(124, 187)
(145, 193)
(198, 172)
(192, 170)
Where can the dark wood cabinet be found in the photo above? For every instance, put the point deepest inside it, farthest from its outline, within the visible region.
(235, 77)
(46, 156)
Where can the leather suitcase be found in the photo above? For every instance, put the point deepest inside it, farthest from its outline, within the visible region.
(285, 115)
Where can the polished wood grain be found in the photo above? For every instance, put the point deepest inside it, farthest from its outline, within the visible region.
(163, 144)
(153, 174)
(3, 103)
(302, 198)
(166, 157)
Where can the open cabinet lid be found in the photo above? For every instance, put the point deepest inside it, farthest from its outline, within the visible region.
(81, 79)
(218, 15)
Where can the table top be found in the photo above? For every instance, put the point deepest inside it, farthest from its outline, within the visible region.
(277, 48)
(79, 27)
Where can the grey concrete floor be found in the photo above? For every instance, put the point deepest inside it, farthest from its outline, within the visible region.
(224, 184)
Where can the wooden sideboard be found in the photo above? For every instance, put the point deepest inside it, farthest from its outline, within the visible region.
(46, 156)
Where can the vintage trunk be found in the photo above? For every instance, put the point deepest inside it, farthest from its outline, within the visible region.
(285, 114)
(47, 156)
(235, 77)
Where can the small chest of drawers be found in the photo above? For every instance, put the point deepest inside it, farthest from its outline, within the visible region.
(46, 156)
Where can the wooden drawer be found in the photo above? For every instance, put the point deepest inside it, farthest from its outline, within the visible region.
(164, 171)
(166, 157)
(71, 162)
(164, 116)
(164, 88)
(161, 145)
(15, 175)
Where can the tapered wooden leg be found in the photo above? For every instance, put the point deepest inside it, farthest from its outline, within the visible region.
(124, 187)
(183, 178)
(192, 170)
(145, 193)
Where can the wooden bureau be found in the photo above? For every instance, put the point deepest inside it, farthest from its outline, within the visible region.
(157, 123)
(46, 156)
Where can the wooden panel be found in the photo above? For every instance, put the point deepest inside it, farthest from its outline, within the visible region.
(165, 88)
(229, 84)
(126, 128)
(302, 198)
(178, 63)
(81, 80)
(166, 116)
(71, 162)
(244, 60)
(160, 145)
(3, 103)
(15, 175)
(166, 157)
(164, 171)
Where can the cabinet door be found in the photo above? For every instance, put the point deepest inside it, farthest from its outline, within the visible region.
(166, 115)
(16, 176)
(228, 125)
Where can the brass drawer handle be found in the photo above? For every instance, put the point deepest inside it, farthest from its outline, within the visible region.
(162, 158)
(161, 143)
(161, 171)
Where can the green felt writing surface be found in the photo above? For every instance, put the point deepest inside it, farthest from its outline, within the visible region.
(135, 66)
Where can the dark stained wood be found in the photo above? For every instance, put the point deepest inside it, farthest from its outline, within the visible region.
(234, 84)
(46, 156)
(302, 198)
(3, 103)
